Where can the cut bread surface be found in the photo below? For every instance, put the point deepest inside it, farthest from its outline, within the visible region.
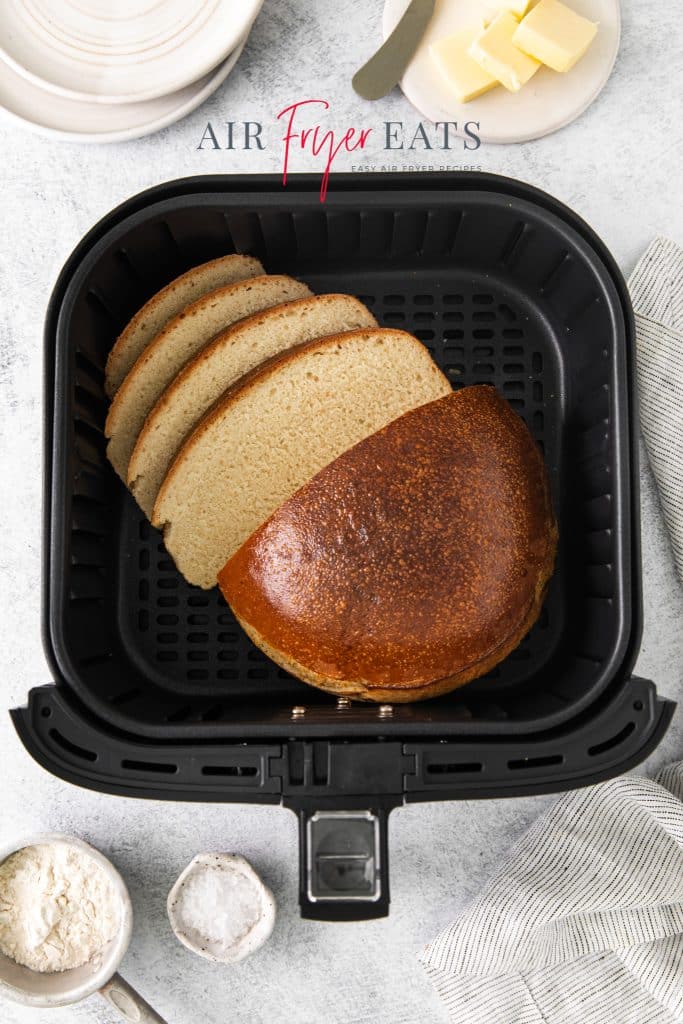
(219, 365)
(166, 304)
(275, 429)
(179, 341)
(413, 563)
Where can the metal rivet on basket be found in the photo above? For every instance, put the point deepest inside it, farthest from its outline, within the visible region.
(343, 702)
(298, 712)
(385, 711)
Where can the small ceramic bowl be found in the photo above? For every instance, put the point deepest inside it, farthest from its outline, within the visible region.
(248, 943)
(59, 988)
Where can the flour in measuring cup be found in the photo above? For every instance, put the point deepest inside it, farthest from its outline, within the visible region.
(58, 908)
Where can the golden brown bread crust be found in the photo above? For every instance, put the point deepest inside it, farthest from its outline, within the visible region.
(413, 563)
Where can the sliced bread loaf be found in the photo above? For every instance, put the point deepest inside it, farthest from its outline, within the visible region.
(179, 341)
(220, 364)
(166, 304)
(275, 429)
(413, 563)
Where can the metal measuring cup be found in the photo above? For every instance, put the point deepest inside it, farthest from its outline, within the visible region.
(59, 988)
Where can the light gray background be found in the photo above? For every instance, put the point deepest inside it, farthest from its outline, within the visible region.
(619, 166)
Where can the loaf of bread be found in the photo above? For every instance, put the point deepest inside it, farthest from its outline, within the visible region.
(413, 563)
(166, 304)
(179, 341)
(275, 429)
(220, 364)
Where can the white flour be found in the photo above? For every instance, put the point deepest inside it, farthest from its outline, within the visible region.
(57, 907)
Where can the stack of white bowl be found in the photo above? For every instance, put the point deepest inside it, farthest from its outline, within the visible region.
(110, 70)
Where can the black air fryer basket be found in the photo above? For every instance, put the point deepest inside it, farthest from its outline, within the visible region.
(157, 691)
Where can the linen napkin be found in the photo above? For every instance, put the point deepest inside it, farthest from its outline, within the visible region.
(656, 287)
(584, 922)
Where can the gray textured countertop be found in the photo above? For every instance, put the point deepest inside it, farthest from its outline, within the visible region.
(619, 166)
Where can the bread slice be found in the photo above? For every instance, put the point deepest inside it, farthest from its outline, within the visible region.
(413, 563)
(179, 341)
(220, 364)
(166, 304)
(275, 429)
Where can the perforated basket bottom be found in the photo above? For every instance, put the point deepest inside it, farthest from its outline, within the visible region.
(479, 332)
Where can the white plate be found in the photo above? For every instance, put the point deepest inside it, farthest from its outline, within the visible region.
(120, 51)
(548, 102)
(74, 121)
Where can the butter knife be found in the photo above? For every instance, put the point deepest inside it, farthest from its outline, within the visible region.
(383, 71)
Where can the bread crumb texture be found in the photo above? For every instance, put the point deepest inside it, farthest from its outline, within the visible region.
(178, 342)
(204, 379)
(168, 303)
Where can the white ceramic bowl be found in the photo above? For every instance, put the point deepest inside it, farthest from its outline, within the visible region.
(248, 943)
(59, 988)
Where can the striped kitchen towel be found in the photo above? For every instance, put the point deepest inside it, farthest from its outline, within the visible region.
(584, 922)
(656, 287)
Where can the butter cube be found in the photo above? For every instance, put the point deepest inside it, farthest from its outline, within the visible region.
(555, 34)
(495, 52)
(516, 7)
(464, 76)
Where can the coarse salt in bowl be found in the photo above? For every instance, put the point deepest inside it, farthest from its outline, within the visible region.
(220, 909)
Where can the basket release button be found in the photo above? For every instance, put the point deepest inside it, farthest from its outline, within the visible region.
(343, 854)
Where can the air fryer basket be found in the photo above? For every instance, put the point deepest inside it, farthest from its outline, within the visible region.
(156, 682)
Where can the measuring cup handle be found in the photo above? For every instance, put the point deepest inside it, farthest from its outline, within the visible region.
(132, 1007)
